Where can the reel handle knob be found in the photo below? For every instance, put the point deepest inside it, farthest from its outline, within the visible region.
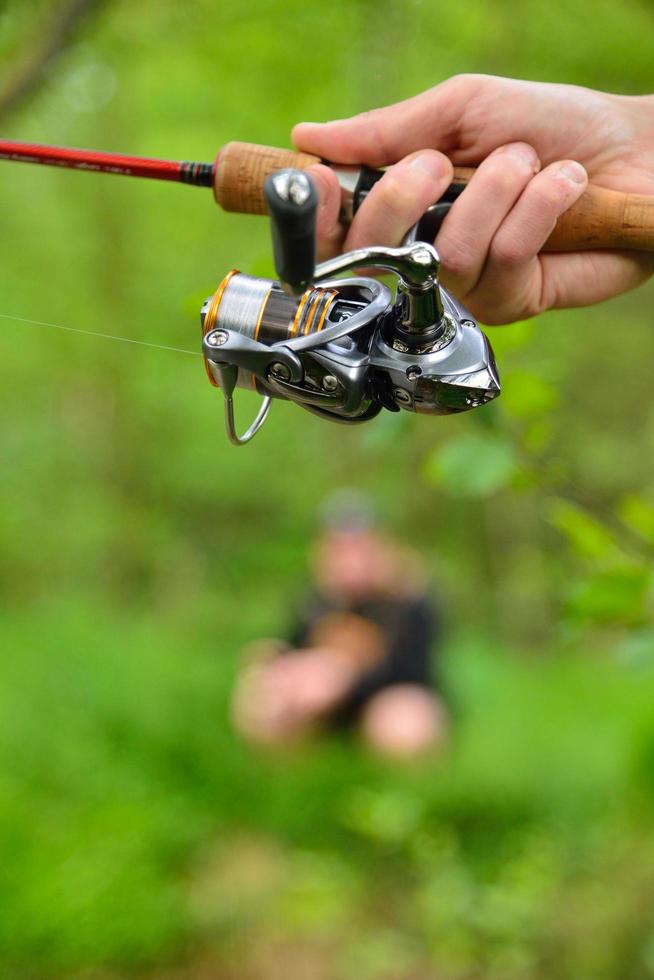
(292, 201)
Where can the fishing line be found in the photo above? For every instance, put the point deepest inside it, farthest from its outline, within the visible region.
(103, 336)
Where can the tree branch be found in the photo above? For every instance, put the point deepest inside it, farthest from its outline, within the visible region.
(29, 75)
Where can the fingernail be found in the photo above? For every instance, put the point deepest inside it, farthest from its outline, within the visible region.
(430, 164)
(574, 172)
(525, 153)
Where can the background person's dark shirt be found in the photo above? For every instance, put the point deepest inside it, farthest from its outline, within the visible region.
(411, 630)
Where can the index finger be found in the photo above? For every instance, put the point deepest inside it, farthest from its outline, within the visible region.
(329, 230)
(433, 119)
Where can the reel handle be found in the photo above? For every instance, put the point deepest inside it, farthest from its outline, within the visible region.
(601, 218)
(292, 201)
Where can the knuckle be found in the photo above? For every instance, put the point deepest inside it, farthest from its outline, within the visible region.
(462, 83)
(507, 252)
(457, 258)
(397, 193)
(376, 123)
(495, 310)
(502, 315)
(547, 196)
(506, 174)
(490, 315)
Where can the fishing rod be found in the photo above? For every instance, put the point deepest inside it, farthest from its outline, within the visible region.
(344, 347)
(601, 218)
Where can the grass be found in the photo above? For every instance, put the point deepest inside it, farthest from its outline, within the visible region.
(115, 805)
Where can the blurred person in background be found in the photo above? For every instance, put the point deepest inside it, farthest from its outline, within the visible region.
(361, 650)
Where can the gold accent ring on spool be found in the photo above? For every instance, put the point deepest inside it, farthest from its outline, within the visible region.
(211, 316)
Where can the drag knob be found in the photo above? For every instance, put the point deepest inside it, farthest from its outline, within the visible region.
(292, 203)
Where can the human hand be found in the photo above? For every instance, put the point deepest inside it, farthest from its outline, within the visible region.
(283, 698)
(536, 145)
(313, 681)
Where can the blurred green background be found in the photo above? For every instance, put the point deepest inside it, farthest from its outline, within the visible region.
(138, 551)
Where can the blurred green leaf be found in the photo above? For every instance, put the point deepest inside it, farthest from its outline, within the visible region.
(584, 533)
(638, 514)
(538, 434)
(381, 954)
(388, 430)
(615, 595)
(386, 816)
(526, 394)
(518, 336)
(636, 649)
(472, 466)
(320, 896)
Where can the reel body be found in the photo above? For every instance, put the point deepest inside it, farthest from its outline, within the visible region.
(343, 348)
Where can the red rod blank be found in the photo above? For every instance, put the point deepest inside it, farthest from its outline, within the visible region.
(107, 163)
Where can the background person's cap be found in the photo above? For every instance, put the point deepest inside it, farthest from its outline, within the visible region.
(348, 511)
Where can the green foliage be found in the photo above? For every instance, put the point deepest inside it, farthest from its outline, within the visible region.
(135, 827)
(529, 395)
(587, 535)
(138, 551)
(616, 595)
(475, 465)
(638, 514)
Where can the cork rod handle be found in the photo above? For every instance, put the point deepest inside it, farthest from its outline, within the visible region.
(241, 169)
(601, 218)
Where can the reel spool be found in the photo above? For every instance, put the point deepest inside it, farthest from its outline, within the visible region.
(343, 348)
(256, 309)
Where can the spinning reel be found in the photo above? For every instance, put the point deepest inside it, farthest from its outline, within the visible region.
(342, 348)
